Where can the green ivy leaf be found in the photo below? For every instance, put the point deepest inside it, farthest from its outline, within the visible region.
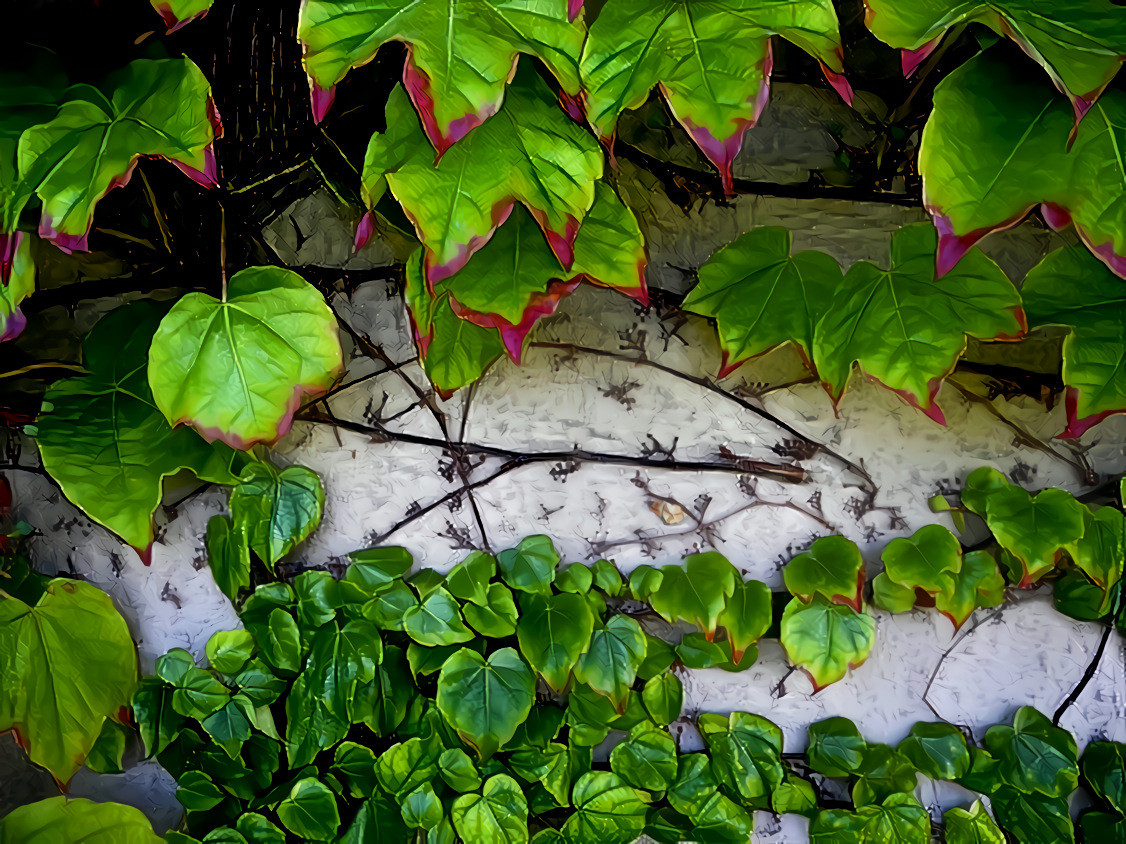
(1010, 123)
(927, 560)
(157, 722)
(836, 748)
(900, 818)
(696, 795)
(550, 166)
(1104, 769)
(646, 759)
(747, 615)
(436, 620)
(746, 755)
(310, 811)
(1080, 45)
(469, 579)
(1033, 755)
(280, 643)
(1072, 289)
(454, 351)
(157, 108)
(378, 568)
(972, 826)
(105, 755)
(459, 61)
(66, 664)
(762, 297)
(422, 809)
(1099, 551)
(575, 578)
(795, 795)
(498, 815)
(663, 697)
(978, 584)
(553, 633)
(634, 46)
(104, 440)
(832, 567)
(1033, 817)
(458, 770)
(938, 750)
(229, 726)
(607, 811)
(825, 640)
(237, 369)
(497, 617)
(530, 566)
(1035, 529)
(696, 592)
(228, 555)
(229, 650)
(405, 766)
(24, 103)
(378, 821)
(197, 792)
(76, 819)
(485, 700)
(609, 664)
(279, 509)
(874, 321)
(893, 597)
(256, 829)
(354, 765)
(883, 772)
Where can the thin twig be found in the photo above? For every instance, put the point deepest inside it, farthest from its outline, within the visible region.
(50, 364)
(161, 223)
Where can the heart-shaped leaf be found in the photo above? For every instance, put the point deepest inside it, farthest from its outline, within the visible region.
(1034, 755)
(761, 297)
(105, 441)
(836, 748)
(279, 509)
(696, 795)
(929, 560)
(459, 59)
(66, 665)
(1071, 288)
(553, 633)
(646, 759)
(498, 815)
(938, 750)
(825, 639)
(663, 697)
(971, 826)
(978, 584)
(1035, 529)
(1009, 123)
(530, 566)
(237, 369)
(538, 156)
(1033, 817)
(76, 819)
(310, 811)
(900, 818)
(156, 108)
(636, 45)
(746, 755)
(696, 592)
(747, 615)
(486, 700)
(832, 567)
(877, 319)
(609, 665)
(607, 810)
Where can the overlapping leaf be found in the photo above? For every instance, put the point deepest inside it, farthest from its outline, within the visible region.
(832, 568)
(459, 58)
(907, 328)
(900, 818)
(66, 665)
(530, 152)
(761, 296)
(156, 108)
(237, 369)
(553, 633)
(1080, 44)
(278, 509)
(825, 639)
(685, 48)
(997, 143)
(104, 440)
(695, 592)
(1071, 288)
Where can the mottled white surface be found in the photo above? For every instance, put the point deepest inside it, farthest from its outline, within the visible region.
(632, 391)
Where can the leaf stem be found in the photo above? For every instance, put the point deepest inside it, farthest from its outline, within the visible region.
(157, 215)
(50, 364)
(223, 248)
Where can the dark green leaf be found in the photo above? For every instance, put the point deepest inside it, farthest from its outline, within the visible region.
(938, 750)
(553, 633)
(530, 566)
(310, 811)
(609, 665)
(485, 700)
(836, 748)
(663, 697)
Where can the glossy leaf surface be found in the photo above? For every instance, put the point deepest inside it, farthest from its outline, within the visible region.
(832, 568)
(60, 819)
(278, 508)
(485, 700)
(825, 640)
(697, 591)
(553, 633)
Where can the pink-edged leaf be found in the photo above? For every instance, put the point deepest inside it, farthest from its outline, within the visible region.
(179, 13)
(513, 335)
(535, 156)
(911, 59)
(17, 286)
(460, 56)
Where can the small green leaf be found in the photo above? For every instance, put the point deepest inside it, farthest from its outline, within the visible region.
(197, 793)
(883, 773)
(497, 617)
(972, 826)
(1036, 529)
(795, 795)
(530, 566)
(436, 621)
(832, 567)
(256, 829)
(644, 581)
(609, 665)
(891, 596)
(279, 509)
(310, 811)
(696, 592)
(747, 615)
(156, 720)
(458, 770)
(355, 765)
(926, 560)
(281, 645)
(498, 815)
(836, 748)
(469, 579)
(235, 369)
(978, 584)
(228, 554)
(553, 633)
(422, 809)
(825, 640)
(575, 578)
(696, 795)
(105, 755)
(261, 686)
(646, 759)
(229, 650)
(485, 700)
(938, 750)
(405, 766)
(377, 568)
(663, 697)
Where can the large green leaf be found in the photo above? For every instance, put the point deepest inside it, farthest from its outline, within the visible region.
(938, 750)
(26, 99)
(64, 820)
(1036, 529)
(436, 620)
(498, 815)
(1033, 817)
(900, 818)
(1080, 44)
(746, 755)
(237, 369)
(66, 665)
(1015, 129)
(761, 296)
(459, 58)
(1104, 768)
(1033, 755)
(696, 592)
(310, 811)
(553, 633)
(836, 748)
(646, 759)
(971, 826)
(535, 155)
(485, 700)
(832, 568)
(279, 509)
(696, 795)
(685, 49)
(609, 665)
(928, 560)
(905, 327)
(607, 811)
(825, 639)
(157, 108)
(1071, 288)
(103, 439)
